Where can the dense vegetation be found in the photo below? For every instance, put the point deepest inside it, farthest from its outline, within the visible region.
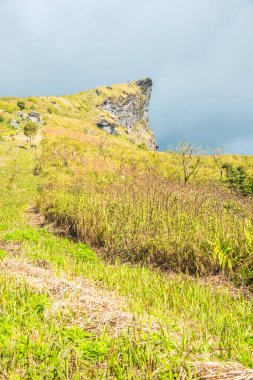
(170, 248)
(132, 211)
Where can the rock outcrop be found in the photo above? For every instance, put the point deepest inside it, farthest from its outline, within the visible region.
(106, 126)
(14, 124)
(130, 111)
(35, 117)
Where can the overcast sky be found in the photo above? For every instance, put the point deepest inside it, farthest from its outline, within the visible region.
(199, 54)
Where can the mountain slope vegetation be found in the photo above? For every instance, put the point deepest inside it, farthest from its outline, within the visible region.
(111, 266)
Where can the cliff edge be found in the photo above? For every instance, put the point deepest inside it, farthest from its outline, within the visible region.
(129, 111)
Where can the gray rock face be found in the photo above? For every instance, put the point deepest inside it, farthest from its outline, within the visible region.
(145, 84)
(35, 117)
(106, 126)
(131, 110)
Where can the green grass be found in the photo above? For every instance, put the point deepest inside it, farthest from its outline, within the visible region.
(35, 347)
(199, 321)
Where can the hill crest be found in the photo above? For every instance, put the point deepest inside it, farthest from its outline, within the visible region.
(120, 110)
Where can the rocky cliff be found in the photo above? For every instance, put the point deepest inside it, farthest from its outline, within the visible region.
(129, 111)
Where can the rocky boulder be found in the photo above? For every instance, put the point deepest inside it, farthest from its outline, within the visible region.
(35, 117)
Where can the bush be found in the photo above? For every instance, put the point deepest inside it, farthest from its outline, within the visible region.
(21, 105)
(238, 180)
(1, 119)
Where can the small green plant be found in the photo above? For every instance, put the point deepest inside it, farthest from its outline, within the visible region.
(1, 119)
(21, 105)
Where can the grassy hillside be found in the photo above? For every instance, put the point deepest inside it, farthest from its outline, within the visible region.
(132, 275)
(189, 326)
(74, 117)
(132, 203)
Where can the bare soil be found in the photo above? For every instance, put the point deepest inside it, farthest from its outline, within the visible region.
(80, 301)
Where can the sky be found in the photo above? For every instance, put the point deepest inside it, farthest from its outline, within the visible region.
(199, 54)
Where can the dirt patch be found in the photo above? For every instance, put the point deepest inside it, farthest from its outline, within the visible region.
(22, 140)
(37, 220)
(11, 247)
(80, 302)
(34, 217)
(220, 371)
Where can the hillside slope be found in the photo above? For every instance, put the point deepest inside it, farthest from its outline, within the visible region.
(119, 110)
(112, 118)
(126, 200)
(110, 266)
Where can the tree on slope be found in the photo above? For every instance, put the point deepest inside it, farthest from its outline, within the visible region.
(30, 130)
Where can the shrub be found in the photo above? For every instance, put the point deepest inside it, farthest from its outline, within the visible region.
(21, 105)
(1, 119)
(238, 180)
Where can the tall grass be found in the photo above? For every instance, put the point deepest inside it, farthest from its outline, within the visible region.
(142, 217)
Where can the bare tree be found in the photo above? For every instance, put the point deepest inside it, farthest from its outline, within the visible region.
(189, 158)
(218, 161)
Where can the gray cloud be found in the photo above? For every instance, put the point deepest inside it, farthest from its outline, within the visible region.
(198, 52)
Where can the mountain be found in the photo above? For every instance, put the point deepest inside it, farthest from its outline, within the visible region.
(120, 110)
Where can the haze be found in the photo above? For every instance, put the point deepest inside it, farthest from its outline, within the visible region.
(199, 54)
